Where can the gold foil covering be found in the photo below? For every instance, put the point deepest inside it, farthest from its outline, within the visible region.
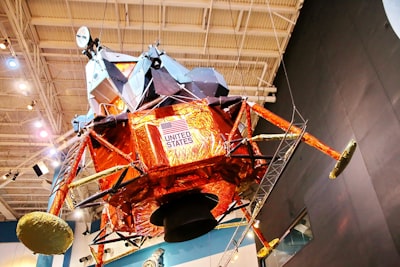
(180, 148)
(176, 135)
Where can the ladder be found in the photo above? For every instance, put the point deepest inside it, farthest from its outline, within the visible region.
(282, 155)
(70, 165)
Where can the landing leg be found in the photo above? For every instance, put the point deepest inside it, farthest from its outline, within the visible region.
(342, 158)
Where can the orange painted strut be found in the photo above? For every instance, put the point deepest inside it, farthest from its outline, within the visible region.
(287, 126)
(111, 147)
(237, 121)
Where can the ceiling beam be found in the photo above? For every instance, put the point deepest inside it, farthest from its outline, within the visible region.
(6, 210)
(20, 143)
(26, 188)
(33, 63)
(21, 136)
(209, 61)
(207, 23)
(31, 208)
(223, 5)
(11, 195)
(14, 202)
(172, 49)
(112, 24)
(240, 48)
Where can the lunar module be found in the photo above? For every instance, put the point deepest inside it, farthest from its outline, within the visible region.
(173, 153)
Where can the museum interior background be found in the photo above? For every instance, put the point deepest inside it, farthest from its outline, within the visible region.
(343, 67)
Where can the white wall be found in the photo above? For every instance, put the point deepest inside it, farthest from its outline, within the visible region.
(201, 252)
(16, 255)
(246, 257)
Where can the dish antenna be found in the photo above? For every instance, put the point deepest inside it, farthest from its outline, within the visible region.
(83, 38)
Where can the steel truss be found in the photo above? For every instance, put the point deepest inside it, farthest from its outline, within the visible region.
(282, 156)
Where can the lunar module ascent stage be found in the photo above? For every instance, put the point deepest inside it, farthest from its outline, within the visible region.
(172, 151)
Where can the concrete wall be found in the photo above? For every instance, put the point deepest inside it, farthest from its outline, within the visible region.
(343, 65)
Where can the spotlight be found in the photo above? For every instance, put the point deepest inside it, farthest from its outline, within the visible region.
(52, 151)
(38, 124)
(7, 175)
(4, 44)
(12, 63)
(43, 133)
(78, 213)
(31, 105)
(22, 86)
(15, 176)
(55, 163)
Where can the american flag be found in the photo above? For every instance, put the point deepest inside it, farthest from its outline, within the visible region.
(176, 126)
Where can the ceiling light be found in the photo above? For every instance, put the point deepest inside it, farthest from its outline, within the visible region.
(22, 86)
(55, 163)
(38, 124)
(12, 63)
(7, 175)
(43, 133)
(78, 213)
(31, 105)
(52, 151)
(4, 44)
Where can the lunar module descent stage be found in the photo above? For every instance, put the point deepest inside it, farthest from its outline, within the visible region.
(173, 153)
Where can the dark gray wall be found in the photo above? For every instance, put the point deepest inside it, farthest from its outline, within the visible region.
(343, 64)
